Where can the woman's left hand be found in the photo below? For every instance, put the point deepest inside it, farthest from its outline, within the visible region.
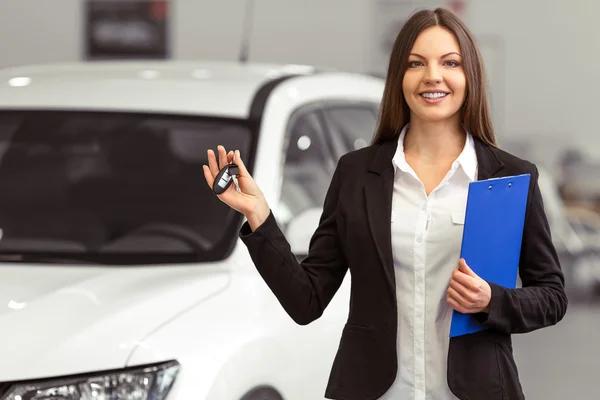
(468, 293)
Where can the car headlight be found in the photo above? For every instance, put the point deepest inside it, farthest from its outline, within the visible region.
(145, 383)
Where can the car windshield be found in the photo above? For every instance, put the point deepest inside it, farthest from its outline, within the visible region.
(114, 188)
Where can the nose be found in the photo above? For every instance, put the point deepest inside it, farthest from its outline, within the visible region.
(433, 75)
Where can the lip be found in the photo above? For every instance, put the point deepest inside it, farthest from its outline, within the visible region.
(434, 101)
(434, 91)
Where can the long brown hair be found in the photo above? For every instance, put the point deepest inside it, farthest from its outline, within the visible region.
(475, 112)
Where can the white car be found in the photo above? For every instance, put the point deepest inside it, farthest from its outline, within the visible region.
(122, 275)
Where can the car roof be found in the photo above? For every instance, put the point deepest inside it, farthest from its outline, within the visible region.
(217, 88)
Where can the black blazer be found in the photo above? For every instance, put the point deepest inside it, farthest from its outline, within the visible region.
(355, 233)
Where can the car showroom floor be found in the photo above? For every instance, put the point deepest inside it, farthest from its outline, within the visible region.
(550, 371)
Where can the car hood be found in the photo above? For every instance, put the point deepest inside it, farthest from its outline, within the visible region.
(61, 320)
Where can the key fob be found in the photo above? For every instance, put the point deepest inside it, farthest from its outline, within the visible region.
(224, 178)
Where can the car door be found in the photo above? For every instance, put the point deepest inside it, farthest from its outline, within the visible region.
(316, 137)
(307, 168)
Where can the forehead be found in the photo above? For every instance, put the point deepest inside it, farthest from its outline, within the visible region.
(434, 42)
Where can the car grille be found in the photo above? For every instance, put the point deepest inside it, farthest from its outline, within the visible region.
(4, 386)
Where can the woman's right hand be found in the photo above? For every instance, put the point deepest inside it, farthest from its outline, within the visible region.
(249, 200)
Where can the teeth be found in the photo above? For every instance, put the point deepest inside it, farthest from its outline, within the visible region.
(433, 95)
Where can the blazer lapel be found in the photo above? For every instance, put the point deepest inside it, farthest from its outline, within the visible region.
(488, 163)
(378, 193)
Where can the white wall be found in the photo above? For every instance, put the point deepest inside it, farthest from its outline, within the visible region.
(33, 31)
(544, 84)
(552, 55)
(331, 32)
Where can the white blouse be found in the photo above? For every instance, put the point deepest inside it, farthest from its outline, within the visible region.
(426, 240)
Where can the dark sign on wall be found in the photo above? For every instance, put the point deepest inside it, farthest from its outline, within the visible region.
(126, 29)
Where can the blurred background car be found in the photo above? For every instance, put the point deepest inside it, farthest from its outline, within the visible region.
(577, 242)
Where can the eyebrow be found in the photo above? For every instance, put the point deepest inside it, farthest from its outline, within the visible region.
(445, 55)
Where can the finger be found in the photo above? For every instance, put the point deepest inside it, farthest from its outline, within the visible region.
(464, 267)
(208, 175)
(455, 305)
(459, 288)
(464, 279)
(212, 163)
(230, 157)
(456, 296)
(240, 163)
(222, 156)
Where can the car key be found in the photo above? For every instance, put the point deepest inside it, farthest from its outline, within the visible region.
(225, 178)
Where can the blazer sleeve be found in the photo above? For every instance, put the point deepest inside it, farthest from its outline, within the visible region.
(541, 301)
(304, 289)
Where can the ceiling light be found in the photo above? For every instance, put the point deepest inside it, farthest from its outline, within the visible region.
(19, 81)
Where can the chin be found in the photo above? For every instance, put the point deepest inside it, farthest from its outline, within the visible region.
(438, 116)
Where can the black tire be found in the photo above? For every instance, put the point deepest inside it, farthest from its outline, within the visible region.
(262, 393)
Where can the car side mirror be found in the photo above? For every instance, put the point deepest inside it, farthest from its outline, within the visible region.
(300, 230)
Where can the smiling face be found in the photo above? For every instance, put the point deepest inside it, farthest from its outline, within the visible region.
(434, 84)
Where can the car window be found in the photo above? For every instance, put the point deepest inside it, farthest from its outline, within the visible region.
(351, 126)
(114, 187)
(308, 166)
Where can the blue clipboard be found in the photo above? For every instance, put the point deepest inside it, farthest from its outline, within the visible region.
(491, 242)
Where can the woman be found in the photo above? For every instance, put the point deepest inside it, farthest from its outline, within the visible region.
(392, 217)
